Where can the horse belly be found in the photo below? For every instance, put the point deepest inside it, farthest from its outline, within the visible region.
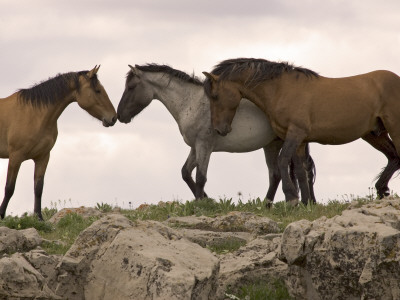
(251, 130)
(341, 132)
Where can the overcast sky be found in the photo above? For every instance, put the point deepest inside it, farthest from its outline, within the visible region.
(141, 162)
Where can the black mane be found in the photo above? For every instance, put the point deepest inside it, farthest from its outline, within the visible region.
(54, 89)
(262, 69)
(169, 71)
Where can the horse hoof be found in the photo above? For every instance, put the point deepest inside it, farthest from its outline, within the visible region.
(268, 203)
(293, 202)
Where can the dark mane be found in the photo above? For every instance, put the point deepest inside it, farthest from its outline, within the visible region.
(261, 69)
(54, 89)
(169, 71)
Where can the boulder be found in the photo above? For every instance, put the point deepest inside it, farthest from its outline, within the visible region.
(257, 261)
(20, 280)
(117, 259)
(354, 255)
(12, 240)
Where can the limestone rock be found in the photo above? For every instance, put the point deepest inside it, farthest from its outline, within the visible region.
(20, 280)
(354, 255)
(257, 261)
(117, 259)
(12, 240)
(232, 222)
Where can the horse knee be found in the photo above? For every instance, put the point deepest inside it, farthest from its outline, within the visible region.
(186, 175)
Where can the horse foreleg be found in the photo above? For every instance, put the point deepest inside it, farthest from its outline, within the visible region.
(187, 170)
(289, 148)
(203, 154)
(40, 170)
(299, 160)
(384, 144)
(271, 152)
(14, 163)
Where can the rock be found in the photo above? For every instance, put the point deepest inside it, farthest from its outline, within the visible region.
(117, 259)
(19, 280)
(354, 255)
(12, 240)
(234, 221)
(85, 212)
(255, 262)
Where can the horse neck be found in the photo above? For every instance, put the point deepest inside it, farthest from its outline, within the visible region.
(261, 95)
(52, 112)
(177, 95)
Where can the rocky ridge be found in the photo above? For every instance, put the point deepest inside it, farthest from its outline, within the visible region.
(355, 255)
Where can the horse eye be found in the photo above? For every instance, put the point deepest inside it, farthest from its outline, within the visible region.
(98, 91)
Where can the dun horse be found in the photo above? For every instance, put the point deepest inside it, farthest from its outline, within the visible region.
(304, 107)
(28, 123)
(184, 97)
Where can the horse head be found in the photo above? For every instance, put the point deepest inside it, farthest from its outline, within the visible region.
(137, 96)
(224, 98)
(92, 97)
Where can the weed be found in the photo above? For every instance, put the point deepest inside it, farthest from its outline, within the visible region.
(104, 207)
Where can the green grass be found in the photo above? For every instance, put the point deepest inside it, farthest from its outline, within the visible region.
(281, 212)
(272, 289)
(64, 233)
(226, 245)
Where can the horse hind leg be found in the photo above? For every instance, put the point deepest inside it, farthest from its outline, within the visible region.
(311, 171)
(384, 144)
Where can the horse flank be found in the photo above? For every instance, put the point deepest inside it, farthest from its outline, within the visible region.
(54, 89)
(154, 68)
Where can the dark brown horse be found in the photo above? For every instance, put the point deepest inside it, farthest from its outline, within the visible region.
(305, 107)
(28, 123)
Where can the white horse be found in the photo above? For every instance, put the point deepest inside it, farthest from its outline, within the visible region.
(184, 97)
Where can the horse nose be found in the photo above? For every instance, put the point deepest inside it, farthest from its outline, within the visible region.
(114, 119)
(220, 132)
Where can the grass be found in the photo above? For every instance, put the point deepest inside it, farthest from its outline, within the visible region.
(64, 233)
(281, 212)
(272, 289)
(226, 245)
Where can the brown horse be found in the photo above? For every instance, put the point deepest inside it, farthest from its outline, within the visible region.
(305, 107)
(28, 123)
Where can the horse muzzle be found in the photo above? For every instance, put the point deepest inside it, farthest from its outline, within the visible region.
(124, 119)
(108, 122)
(223, 130)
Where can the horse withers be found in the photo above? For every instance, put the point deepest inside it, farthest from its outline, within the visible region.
(183, 95)
(28, 123)
(305, 107)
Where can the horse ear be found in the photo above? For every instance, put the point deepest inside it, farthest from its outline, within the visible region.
(135, 70)
(93, 72)
(211, 77)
